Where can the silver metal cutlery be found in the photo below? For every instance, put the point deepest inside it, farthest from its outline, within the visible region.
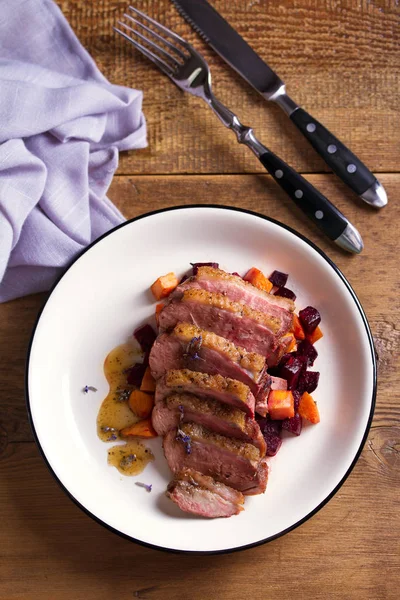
(217, 32)
(189, 71)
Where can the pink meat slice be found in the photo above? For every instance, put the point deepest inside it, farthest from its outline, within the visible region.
(224, 389)
(189, 347)
(251, 329)
(198, 494)
(238, 290)
(228, 461)
(211, 414)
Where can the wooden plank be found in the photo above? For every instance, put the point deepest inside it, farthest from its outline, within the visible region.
(340, 60)
(50, 549)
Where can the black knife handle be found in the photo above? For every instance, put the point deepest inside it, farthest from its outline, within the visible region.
(339, 158)
(314, 204)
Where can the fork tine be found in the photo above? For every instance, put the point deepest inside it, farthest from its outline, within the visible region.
(162, 65)
(158, 25)
(159, 37)
(148, 41)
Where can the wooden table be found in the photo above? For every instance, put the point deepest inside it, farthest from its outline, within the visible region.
(341, 61)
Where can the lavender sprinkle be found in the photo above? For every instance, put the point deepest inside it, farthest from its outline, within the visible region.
(88, 388)
(185, 439)
(148, 488)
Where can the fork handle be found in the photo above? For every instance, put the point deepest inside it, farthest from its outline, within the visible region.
(310, 200)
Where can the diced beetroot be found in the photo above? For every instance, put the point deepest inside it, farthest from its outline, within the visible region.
(278, 278)
(310, 318)
(308, 381)
(237, 274)
(271, 431)
(292, 369)
(294, 424)
(209, 264)
(134, 375)
(285, 293)
(306, 349)
(296, 398)
(275, 371)
(145, 336)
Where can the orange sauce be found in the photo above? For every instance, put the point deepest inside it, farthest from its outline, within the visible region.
(114, 414)
(130, 458)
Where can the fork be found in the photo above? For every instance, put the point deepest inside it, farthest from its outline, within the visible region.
(190, 72)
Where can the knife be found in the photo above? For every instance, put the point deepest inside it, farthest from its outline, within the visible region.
(217, 32)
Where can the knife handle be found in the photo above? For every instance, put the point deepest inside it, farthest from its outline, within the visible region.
(314, 204)
(339, 158)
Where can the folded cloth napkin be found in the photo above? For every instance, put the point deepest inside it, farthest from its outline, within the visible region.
(62, 125)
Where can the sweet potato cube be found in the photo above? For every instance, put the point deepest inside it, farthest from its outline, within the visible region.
(315, 335)
(280, 404)
(164, 285)
(297, 328)
(148, 382)
(290, 342)
(141, 404)
(308, 408)
(141, 429)
(258, 279)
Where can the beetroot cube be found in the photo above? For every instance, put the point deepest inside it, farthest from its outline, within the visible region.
(275, 371)
(134, 375)
(197, 265)
(285, 293)
(306, 349)
(294, 424)
(296, 398)
(278, 278)
(145, 336)
(292, 370)
(310, 318)
(271, 431)
(308, 381)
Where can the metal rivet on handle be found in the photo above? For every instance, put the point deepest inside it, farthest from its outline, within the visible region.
(332, 148)
(298, 194)
(351, 168)
(279, 174)
(311, 127)
(319, 214)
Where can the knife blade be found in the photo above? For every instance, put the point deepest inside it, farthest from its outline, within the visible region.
(221, 36)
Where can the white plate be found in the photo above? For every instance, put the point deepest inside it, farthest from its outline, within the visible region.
(105, 294)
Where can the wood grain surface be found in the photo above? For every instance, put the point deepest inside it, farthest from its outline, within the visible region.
(341, 61)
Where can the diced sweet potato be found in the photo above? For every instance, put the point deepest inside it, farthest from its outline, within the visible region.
(315, 335)
(308, 408)
(290, 342)
(148, 382)
(141, 429)
(258, 279)
(159, 308)
(164, 285)
(297, 328)
(141, 404)
(280, 404)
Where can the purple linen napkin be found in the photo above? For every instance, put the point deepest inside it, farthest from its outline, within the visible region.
(62, 125)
